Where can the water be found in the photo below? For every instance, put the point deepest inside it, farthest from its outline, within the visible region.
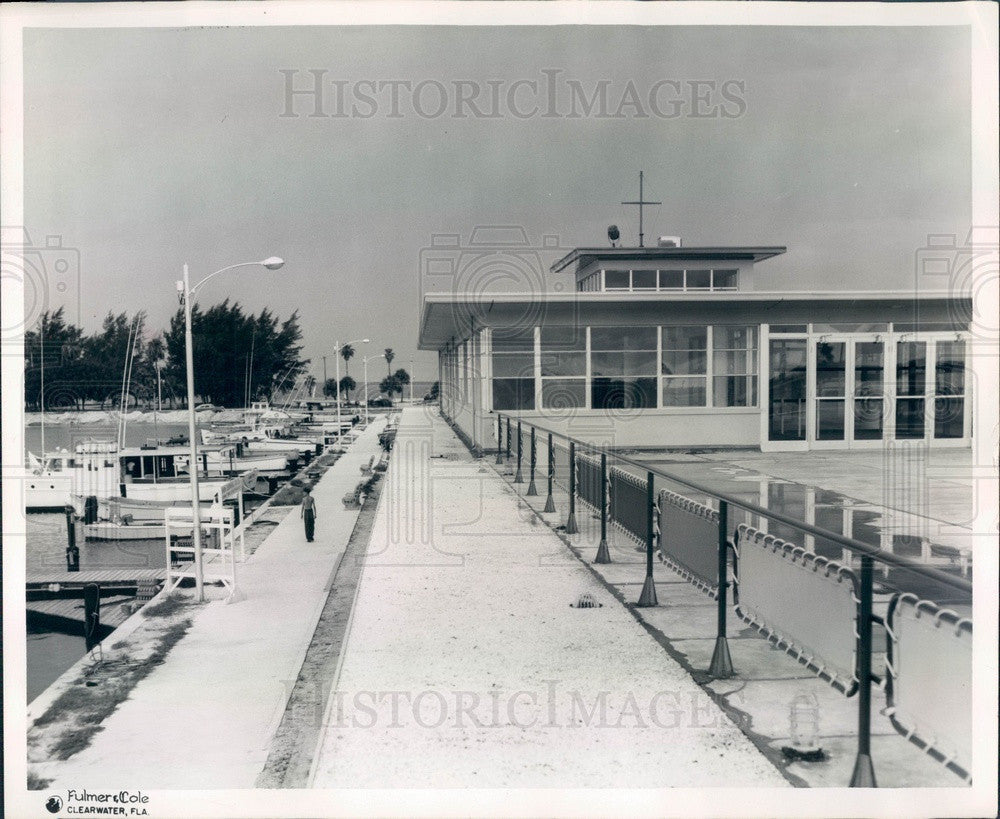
(50, 653)
(66, 436)
(46, 548)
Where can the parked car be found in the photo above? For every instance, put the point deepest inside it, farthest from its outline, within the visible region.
(379, 402)
(207, 408)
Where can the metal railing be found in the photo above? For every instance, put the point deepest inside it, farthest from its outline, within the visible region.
(618, 492)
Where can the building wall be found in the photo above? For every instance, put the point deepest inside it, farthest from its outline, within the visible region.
(467, 375)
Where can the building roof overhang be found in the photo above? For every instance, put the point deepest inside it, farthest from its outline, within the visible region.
(448, 317)
(583, 256)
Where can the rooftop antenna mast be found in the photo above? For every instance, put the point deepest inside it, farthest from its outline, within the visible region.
(640, 203)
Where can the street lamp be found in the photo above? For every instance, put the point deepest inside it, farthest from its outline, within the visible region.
(365, 360)
(338, 347)
(411, 381)
(186, 291)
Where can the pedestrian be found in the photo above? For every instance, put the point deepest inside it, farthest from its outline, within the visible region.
(308, 514)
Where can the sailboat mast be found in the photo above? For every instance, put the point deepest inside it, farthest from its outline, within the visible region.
(41, 341)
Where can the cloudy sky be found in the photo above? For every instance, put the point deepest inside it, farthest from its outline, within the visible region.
(149, 148)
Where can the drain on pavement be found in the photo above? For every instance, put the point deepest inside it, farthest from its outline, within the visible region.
(586, 601)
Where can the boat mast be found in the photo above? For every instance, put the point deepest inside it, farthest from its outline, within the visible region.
(41, 344)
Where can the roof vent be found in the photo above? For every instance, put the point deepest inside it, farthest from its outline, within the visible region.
(670, 241)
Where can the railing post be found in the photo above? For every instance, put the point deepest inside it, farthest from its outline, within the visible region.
(508, 438)
(571, 528)
(603, 556)
(499, 440)
(864, 771)
(648, 597)
(550, 504)
(532, 491)
(721, 666)
(518, 477)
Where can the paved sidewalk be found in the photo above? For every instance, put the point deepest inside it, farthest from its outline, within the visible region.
(467, 666)
(205, 718)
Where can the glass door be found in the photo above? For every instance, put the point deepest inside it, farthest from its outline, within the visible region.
(911, 389)
(869, 391)
(787, 390)
(831, 390)
(949, 389)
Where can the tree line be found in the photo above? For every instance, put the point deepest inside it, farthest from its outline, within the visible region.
(238, 357)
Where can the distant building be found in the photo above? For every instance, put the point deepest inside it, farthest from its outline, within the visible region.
(674, 346)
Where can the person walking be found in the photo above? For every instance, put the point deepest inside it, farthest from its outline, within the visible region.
(308, 514)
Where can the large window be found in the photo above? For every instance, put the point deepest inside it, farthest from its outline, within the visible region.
(563, 362)
(514, 369)
(734, 366)
(623, 367)
(685, 366)
(692, 378)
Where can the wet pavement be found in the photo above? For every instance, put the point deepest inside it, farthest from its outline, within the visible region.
(918, 504)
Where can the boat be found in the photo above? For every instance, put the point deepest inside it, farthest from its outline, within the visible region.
(48, 482)
(131, 519)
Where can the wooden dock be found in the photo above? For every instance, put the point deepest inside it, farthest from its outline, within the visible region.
(105, 578)
(66, 615)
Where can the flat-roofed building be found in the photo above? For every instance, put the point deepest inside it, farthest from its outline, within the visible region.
(674, 346)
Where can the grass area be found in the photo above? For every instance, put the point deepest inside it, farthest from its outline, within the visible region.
(167, 607)
(80, 711)
(37, 783)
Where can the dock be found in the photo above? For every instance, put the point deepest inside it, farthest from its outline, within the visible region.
(66, 615)
(43, 581)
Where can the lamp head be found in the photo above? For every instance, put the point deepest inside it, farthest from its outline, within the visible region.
(273, 262)
(365, 340)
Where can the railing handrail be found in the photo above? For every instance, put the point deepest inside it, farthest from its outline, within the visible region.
(889, 558)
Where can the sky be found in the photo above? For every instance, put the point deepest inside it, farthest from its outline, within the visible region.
(146, 149)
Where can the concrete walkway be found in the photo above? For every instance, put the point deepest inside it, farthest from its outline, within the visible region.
(205, 718)
(467, 665)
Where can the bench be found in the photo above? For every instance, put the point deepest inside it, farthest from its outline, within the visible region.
(366, 469)
(352, 500)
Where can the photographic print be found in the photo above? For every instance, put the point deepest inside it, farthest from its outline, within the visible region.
(533, 409)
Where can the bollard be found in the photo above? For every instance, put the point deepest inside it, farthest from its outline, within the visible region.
(603, 556)
(571, 528)
(518, 477)
(72, 550)
(864, 771)
(648, 597)
(508, 439)
(532, 491)
(550, 504)
(499, 440)
(721, 666)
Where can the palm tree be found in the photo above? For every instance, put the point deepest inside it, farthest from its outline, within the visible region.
(347, 351)
(389, 356)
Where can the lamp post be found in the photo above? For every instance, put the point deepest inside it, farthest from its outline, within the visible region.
(159, 400)
(185, 291)
(411, 381)
(337, 348)
(364, 359)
